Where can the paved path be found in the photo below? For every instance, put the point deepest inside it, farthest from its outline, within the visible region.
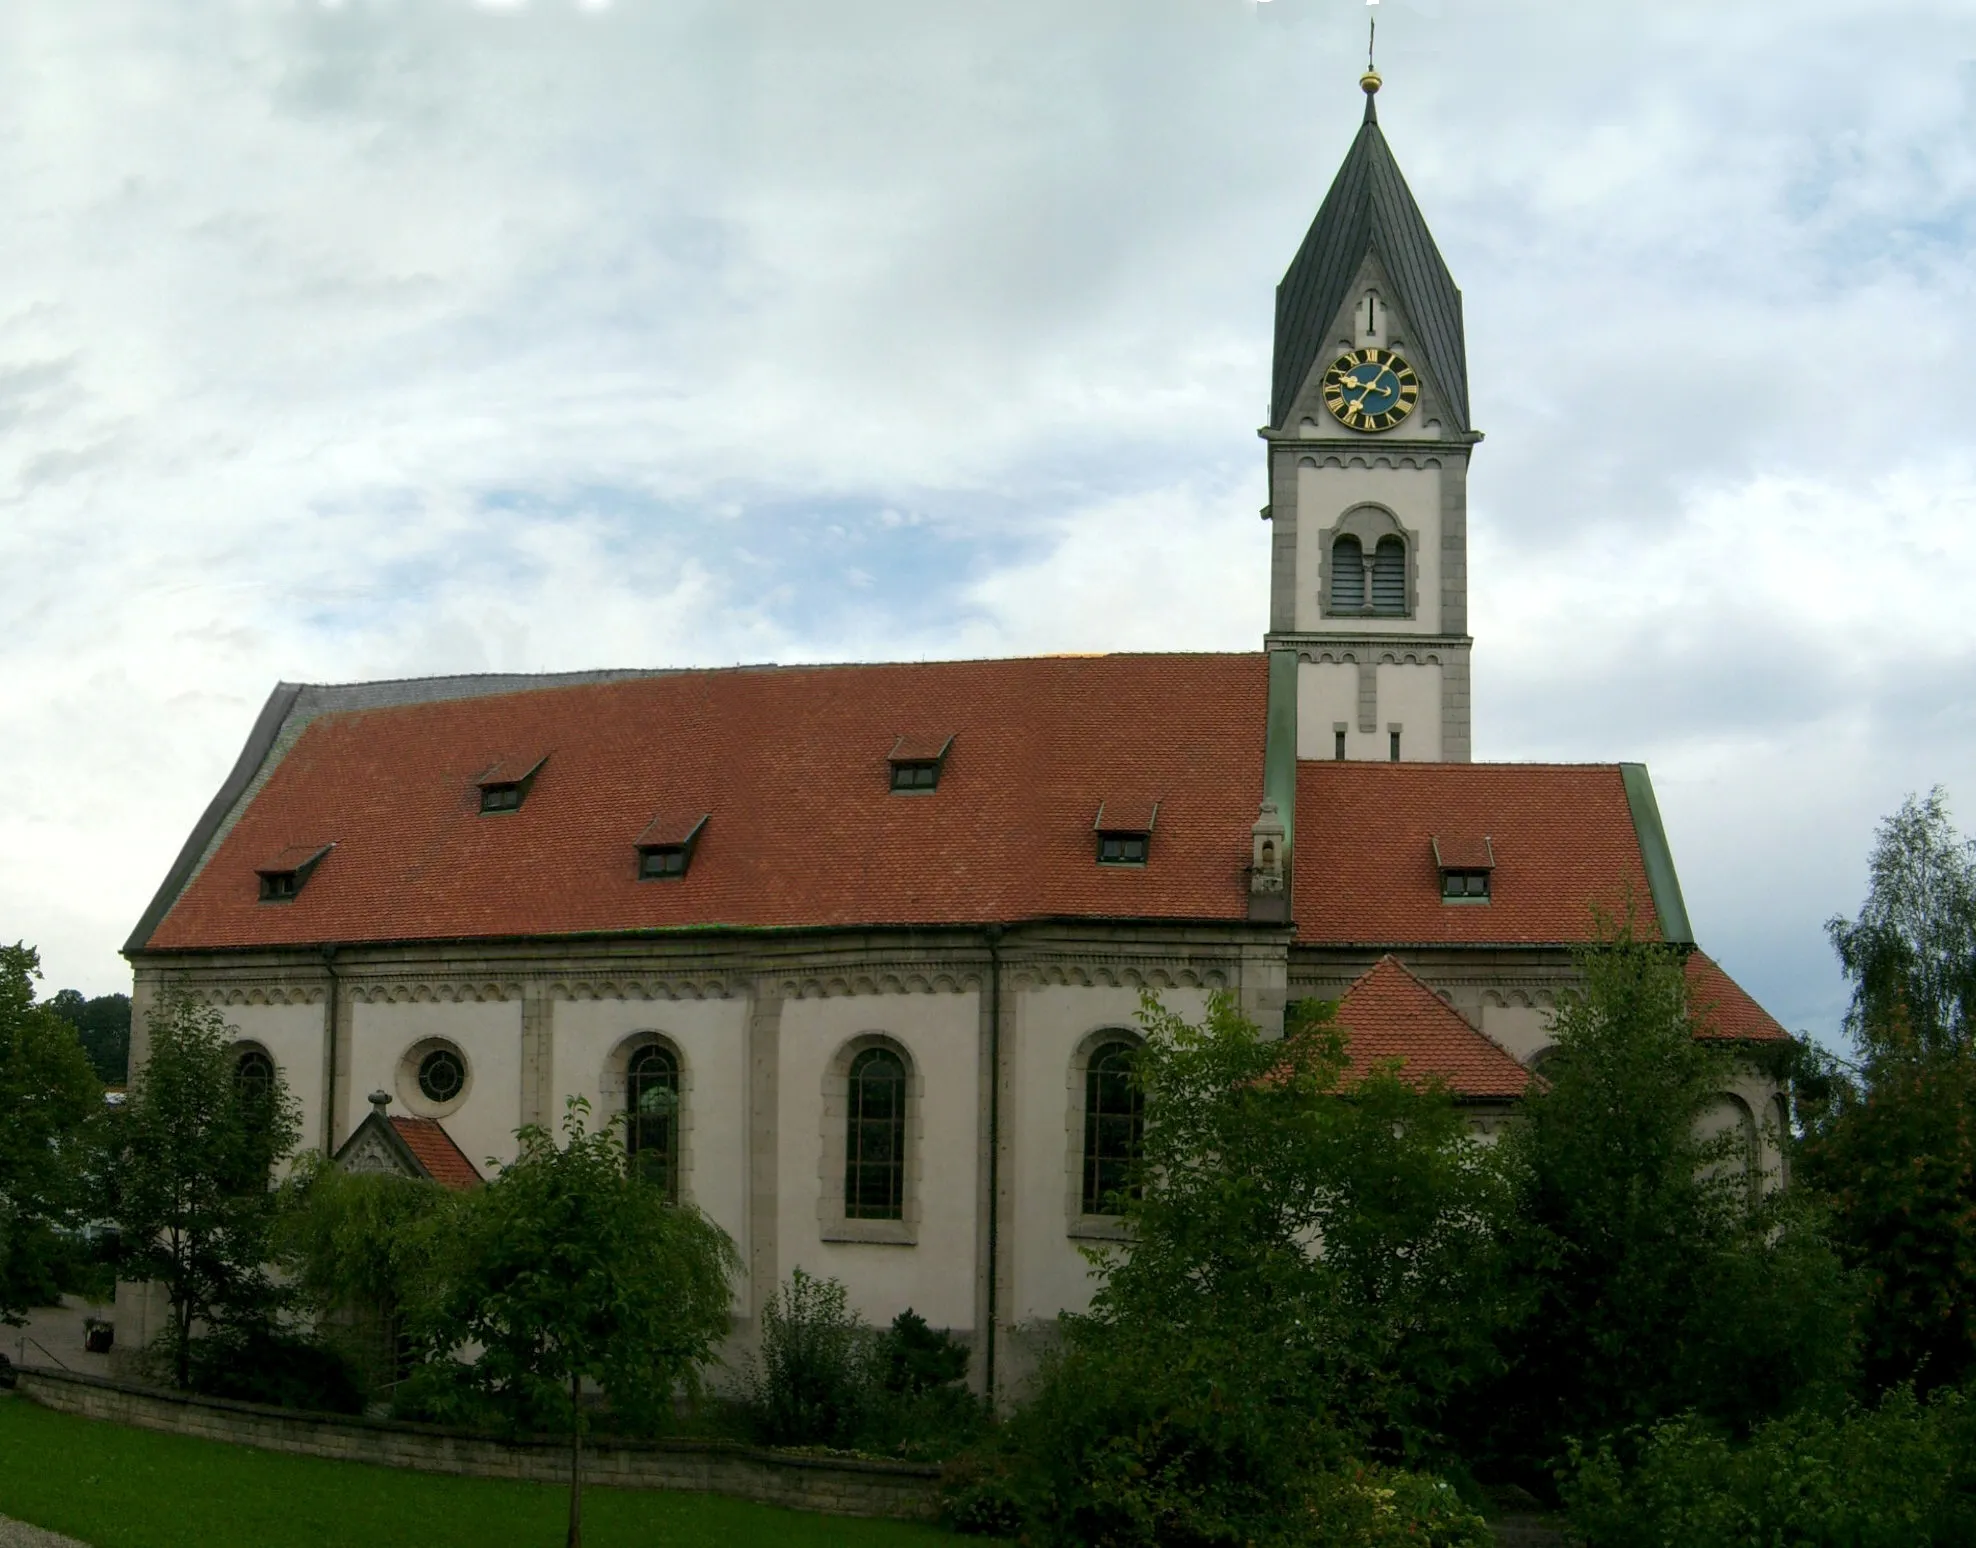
(18, 1534)
(53, 1336)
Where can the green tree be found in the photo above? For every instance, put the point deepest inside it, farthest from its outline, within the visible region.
(1312, 1273)
(1891, 1141)
(567, 1269)
(103, 1025)
(190, 1177)
(1655, 1281)
(51, 1100)
(1911, 953)
(363, 1251)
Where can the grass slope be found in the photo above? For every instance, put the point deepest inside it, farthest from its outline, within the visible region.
(122, 1488)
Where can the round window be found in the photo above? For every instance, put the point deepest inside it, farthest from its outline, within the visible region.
(441, 1075)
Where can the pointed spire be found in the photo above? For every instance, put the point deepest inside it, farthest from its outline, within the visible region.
(1369, 209)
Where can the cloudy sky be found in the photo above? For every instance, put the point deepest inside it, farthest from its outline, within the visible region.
(397, 337)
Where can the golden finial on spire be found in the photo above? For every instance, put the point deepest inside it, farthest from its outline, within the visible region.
(1369, 81)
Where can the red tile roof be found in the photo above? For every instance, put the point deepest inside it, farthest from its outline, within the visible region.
(1389, 1014)
(444, 1162)
(791, 763)
(1722, 1008)
(1562, 837)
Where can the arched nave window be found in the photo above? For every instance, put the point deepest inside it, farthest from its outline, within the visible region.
(253, 1075)
(875, 1138)
(1114, 1126)
(651, 1130)
(1389, 576)
(1347, 574)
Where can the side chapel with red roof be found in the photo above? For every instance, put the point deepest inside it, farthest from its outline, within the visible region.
(858, 949)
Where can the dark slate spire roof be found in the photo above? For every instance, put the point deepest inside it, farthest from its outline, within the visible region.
(1369, 209)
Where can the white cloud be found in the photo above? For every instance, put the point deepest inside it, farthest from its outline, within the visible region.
(381, 339)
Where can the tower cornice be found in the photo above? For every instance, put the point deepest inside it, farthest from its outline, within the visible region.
(1332, 443)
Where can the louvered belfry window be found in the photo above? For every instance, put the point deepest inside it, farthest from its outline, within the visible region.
(1389, 576)
(1347, 575)
(875, 1138)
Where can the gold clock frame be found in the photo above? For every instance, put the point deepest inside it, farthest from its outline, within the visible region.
(1333, 387)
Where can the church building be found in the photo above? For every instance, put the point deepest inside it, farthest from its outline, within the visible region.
(858, 949)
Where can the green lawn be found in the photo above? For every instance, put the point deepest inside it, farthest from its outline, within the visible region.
(121, 1488)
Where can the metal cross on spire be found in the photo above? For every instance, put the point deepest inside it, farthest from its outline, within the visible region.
(1370, 80)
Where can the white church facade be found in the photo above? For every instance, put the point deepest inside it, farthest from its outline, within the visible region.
(857, 947)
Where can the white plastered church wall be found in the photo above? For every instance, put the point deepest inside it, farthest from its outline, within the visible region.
(487, 1033)
(1043, 1134)
(935, 1274)
(1523, 1031)
(293, 1038)
(710, 1038)
(1325, 496)
(1409, 697)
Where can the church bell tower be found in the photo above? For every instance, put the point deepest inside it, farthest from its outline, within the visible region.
(1368, 440)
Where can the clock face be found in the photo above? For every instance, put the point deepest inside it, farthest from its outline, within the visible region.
(1370, 389)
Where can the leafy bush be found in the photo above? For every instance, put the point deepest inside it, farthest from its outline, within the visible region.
(1902, 1475)
(268, 1365)
(1367, 1506)
(914, 1358)
(808, 1383)
(825, 1377)
(1133, 1438)
(1122, 1448)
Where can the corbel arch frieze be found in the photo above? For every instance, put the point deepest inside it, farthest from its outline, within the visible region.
(255, 994)
(1342, 459)
(679, 987)
(1317, 654)
(1112, 975)
(1374, 459)
(822, 986)
(416, 991)
(1520, 999)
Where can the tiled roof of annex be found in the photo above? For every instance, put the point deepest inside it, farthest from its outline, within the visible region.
(1562, 837)
(436, 1150)
(1722, 1008)
(790, 764)
(1389, 1014)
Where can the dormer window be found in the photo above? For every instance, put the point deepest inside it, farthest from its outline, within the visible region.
(505, 786)
(1467, 867)
(284, 876)
(665, 848)
(1125, 831)
(916, 762)
(1122, 848)
(658, 861)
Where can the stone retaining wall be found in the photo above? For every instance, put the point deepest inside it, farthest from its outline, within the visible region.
(840, 1486)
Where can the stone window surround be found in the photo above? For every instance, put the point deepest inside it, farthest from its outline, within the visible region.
(613, 1089)
(240, 1047)
(415, 1101)
(1077, 1224)
(834, 1225)
(1367, 521)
